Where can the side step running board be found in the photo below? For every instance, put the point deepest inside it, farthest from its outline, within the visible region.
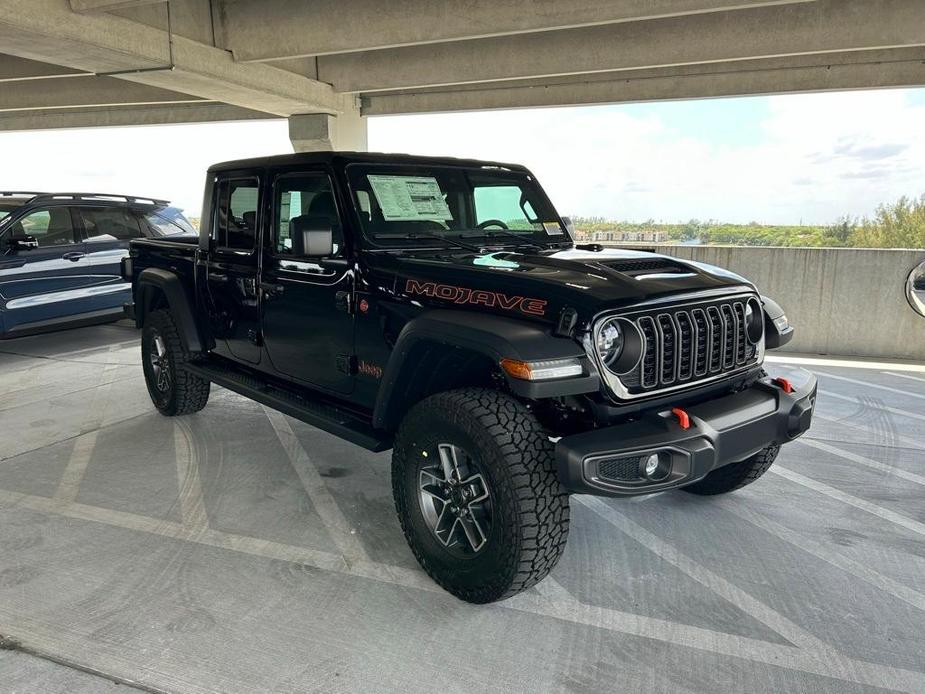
(325, 416)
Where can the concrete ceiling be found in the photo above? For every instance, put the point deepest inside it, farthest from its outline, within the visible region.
(69, 63)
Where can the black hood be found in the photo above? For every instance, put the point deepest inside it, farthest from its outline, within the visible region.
(539, 285)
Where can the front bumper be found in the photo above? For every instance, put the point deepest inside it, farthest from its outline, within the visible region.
(611, 461)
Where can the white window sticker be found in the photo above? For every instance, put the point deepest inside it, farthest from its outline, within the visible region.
(409, 198)
(552, 228)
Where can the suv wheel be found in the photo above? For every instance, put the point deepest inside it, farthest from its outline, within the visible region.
(735, 475)
(173, 390)
(477, 494)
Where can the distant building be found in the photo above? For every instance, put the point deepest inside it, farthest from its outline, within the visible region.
(649, 236)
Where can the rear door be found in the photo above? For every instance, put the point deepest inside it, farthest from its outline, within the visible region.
(106, 234)
(233, 265)
(47, 283)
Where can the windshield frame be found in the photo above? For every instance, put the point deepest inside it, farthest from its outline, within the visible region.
(8, 209)
(478, 237)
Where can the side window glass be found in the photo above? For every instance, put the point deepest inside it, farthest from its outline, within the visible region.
(502, 203)
(168, 221)
(308, 195)
(51, 227)
(236, 214)
(108, 224)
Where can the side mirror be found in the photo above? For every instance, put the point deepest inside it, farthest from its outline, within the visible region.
(312, 237)
(23, 243)
(915, 288)
(777, 329)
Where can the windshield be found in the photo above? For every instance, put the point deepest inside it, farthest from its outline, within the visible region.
(402, 204)
(7, 207)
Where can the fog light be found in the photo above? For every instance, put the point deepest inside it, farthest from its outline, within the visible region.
(656, 466)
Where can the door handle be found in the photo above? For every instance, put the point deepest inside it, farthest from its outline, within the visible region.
(73, 256)
(343, 302)
(271, 289)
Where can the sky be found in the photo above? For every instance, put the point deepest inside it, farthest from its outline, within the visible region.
(786, 159)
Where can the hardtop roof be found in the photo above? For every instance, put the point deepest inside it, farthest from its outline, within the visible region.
(344, 157)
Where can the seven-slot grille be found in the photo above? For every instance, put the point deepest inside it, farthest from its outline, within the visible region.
(686, 344)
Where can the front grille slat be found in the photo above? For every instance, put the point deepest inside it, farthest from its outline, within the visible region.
(703, 342)
(651, 353)
(741, 341)
(668, 344)
(687, 344)
(717, 339)
(729, 336)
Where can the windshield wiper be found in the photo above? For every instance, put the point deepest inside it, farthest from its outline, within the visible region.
(424, 235)
(521, 241)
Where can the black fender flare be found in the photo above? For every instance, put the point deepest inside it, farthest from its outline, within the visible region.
(495, 337)
(177, 299)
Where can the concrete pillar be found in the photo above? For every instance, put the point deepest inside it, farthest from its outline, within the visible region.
(314, 132)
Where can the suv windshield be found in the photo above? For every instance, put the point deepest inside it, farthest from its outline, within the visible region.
(397, 204)
(6, 207)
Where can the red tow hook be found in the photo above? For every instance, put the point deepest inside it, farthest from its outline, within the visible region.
(784, 384)
(683, 418)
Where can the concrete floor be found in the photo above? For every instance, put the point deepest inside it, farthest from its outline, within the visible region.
(238, 550)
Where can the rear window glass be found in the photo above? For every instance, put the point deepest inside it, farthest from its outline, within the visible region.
(236, 218)
(109, 224)
(169, 221)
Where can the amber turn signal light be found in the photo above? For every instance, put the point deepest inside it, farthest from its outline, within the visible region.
(541, 370)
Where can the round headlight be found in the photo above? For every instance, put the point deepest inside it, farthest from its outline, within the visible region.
(609, 342)
(754, 321)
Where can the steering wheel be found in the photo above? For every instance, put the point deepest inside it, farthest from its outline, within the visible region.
(491, 223)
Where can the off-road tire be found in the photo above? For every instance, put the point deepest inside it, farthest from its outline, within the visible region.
(187, 393)
(735, 475)
(530, 508)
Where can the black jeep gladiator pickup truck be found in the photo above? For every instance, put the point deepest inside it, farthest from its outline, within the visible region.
(440, 307)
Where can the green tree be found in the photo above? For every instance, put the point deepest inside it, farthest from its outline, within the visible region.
(900, 224)
(839, 233)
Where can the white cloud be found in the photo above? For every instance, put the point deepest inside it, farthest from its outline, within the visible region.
(820, 156)
(159, 161)
(813, 157)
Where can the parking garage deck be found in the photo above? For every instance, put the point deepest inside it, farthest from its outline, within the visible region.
(239, 550)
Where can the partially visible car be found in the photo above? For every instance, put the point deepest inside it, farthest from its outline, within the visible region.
(60, 255)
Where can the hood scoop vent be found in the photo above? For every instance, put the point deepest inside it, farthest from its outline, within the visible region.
(655, 266)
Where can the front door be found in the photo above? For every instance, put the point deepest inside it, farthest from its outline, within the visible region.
(45, 284)
(233, 267)
(307, 328)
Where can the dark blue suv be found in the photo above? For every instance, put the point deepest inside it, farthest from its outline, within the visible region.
(60, 254)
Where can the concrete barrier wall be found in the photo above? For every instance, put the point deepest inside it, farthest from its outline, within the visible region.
(842, 301)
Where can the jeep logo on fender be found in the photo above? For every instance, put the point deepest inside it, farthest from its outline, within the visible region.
(480, 297)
